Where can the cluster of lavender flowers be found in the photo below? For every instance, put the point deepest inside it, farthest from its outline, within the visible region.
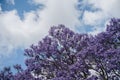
(65, 55)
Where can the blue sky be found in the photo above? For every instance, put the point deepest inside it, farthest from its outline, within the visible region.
(24, 22)
(20, 5)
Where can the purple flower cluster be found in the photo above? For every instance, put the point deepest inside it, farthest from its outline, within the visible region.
(65, 55)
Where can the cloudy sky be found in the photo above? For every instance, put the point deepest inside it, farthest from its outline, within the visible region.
(24, 22)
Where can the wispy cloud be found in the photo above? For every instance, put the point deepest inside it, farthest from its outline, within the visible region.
(0, 8)
(96, 13)
(37, 2)
(10, 2)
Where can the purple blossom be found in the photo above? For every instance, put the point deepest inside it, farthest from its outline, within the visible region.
(66, 55)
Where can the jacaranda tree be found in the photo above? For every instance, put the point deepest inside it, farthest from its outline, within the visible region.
(65, 55)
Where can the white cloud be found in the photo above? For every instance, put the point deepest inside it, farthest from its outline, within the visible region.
(93, 18)
(0, 8)
(15, 33)
(10, 2)
(60, 12)
(98, 19)
(111, 7)
(108, 9)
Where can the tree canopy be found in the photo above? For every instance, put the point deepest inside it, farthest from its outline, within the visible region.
(66, 55)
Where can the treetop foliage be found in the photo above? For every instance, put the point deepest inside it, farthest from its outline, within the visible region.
(66, 55)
